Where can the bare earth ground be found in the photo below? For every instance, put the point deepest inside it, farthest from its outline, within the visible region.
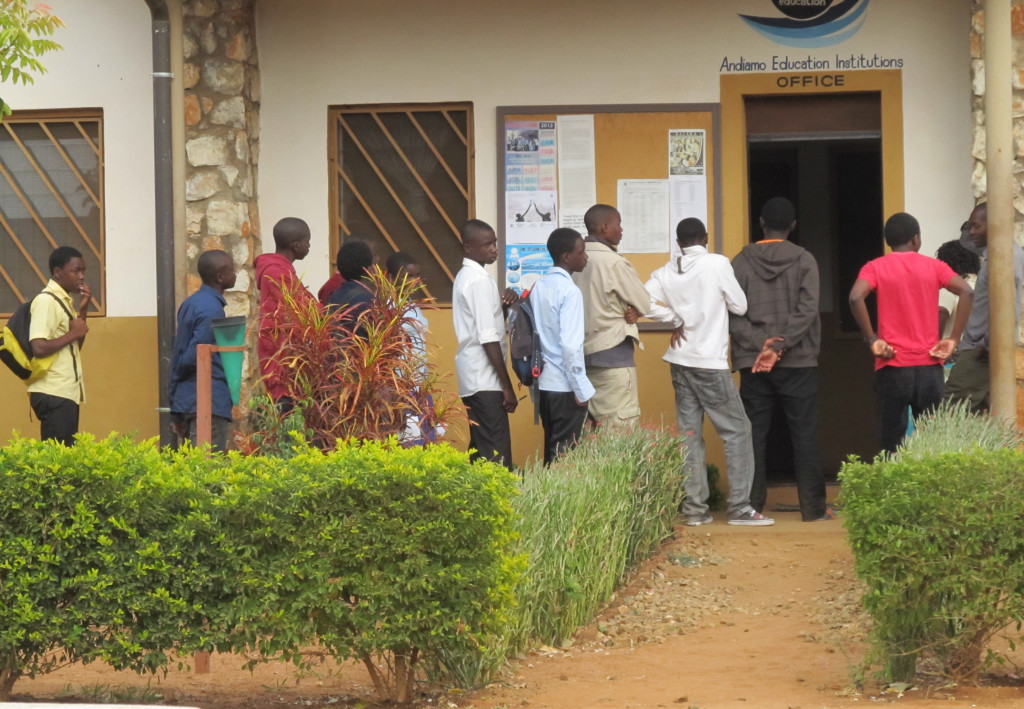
(759, 618)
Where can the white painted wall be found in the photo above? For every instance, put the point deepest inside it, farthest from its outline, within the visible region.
(326, 52)
(107, 63)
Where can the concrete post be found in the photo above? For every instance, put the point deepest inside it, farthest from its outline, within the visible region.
(999, 162)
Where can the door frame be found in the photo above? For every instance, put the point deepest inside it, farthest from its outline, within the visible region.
(734, 88)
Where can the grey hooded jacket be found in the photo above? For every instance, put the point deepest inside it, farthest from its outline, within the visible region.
(781, 283)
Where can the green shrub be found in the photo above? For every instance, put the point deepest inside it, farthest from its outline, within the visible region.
(372, 550)
(583, 523)
(938, 541)
(954, 427)
(94, 563)
(586, 520)
(118, 551)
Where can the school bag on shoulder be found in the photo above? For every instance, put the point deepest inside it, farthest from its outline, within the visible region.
(523, 343)
(524, 349)
(16, 348)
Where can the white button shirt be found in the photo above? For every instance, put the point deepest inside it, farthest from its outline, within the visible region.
(479, 319)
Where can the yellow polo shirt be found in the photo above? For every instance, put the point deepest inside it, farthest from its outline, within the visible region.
(50, 321)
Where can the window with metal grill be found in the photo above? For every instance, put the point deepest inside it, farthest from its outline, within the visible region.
(51, 194)
(403, 175)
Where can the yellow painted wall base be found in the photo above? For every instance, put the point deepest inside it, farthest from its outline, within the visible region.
(120, 365)
(119, 362)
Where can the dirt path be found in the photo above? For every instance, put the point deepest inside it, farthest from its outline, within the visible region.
(760, 618)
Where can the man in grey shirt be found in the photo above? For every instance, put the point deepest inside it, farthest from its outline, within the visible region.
(969, 378)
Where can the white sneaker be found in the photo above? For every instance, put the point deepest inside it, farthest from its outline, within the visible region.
(698, 521)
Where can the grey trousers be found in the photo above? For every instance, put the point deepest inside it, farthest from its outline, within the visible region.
(712, 392)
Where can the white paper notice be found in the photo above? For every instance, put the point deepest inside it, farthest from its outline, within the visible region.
(643, 205)
(688, 185)
(577, 183)
(530, 217)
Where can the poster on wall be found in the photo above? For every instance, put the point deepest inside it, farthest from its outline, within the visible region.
(524, 264)
(643, 205)
(530, 217)
(687, 178)
(577, 181)
(530, 155)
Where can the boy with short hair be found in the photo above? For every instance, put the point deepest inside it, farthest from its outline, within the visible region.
(195, 327)
(908, 350)
(700, 291)
(420, 428)
(478, 314)
(276, 275)
(59, 328)
(557, 304)
(354, 296)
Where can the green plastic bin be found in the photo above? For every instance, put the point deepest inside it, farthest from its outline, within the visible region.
(230, 332)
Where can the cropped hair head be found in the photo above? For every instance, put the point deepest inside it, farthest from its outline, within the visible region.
(289, 231)
(61, 255)
(473, 228)
(210, 264)
(778, 214)
(562, 241)
(598, 215)
(900, 229)
(690, 231)
(354, 257)
(397, 261)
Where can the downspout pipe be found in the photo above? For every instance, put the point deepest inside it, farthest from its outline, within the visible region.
(164, 182)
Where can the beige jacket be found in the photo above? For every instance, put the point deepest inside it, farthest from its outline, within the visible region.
(609, 283)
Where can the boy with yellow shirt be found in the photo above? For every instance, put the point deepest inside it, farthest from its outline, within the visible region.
(58, 327)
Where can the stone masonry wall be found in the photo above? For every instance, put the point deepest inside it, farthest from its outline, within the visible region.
(222, 102)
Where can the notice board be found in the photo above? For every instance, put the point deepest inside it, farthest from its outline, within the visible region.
(630, 142)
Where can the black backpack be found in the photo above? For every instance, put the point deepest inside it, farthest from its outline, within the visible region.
(523, 343)
(16, 349)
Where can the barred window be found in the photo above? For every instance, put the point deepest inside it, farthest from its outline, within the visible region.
(403, 175)
(51, 194)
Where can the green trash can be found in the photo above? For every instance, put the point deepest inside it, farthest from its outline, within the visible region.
(230, 332)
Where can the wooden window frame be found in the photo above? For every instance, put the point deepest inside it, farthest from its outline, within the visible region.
(335, 170)
(97, 250)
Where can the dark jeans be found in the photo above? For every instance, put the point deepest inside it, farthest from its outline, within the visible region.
(797, 389)
(489, 434)
(897, 388)
(58, 417)
(969, 380)
(220, 430)
(563, 422)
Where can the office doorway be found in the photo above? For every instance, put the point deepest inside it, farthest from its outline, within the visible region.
(824, 153)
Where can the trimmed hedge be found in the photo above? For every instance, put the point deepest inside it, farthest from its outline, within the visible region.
(117, 551)
(939, 541)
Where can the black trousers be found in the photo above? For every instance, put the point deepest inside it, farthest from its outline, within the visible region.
(899, 388)
(58, 417)
(797, 389)
(489, 434)
(563, 421)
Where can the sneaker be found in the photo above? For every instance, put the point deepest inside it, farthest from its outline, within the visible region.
(698, 521)
(830, 514)
(750, 518)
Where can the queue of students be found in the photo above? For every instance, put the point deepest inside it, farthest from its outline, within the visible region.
(763, 306)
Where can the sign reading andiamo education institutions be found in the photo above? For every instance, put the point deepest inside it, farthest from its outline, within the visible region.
(810, 24)
(808, 63)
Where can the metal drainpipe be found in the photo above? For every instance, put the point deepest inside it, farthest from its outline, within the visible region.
(164, 176)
